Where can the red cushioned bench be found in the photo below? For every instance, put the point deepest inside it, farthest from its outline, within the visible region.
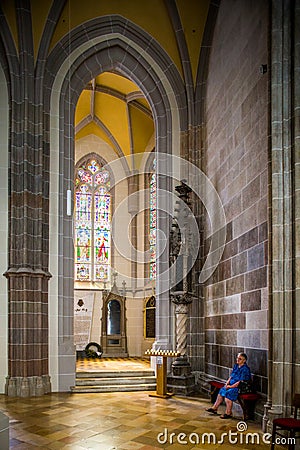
(247, 401)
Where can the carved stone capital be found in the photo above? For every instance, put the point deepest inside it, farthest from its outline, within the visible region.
(181, 298)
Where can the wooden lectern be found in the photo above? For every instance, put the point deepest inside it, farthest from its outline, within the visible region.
(161, 371)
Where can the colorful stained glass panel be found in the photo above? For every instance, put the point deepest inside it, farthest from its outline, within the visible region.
(93, 166)
(84, 175)
(152, 226)
(102, 177)
(92, 222)
(83, 254)
(152, 271)
(82, 272)
(101, 272)
(83, 235)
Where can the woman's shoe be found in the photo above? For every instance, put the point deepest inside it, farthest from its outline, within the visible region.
(226, 416)
(211, 410)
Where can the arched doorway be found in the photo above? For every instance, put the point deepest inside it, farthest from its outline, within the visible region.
(122, 50)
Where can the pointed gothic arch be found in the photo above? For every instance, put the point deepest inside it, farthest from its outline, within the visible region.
(103, 44)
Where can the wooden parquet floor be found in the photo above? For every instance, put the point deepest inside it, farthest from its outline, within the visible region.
(116, 421)
(119, 420)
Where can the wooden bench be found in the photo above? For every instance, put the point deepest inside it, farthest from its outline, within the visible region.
(247, 401)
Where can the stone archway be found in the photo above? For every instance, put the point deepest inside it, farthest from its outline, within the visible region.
(93, 51)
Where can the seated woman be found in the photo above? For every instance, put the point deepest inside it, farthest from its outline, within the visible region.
(230, 391)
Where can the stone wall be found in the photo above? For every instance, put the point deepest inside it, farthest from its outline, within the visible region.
(236, 161)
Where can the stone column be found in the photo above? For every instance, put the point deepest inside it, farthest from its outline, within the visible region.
(283, 367)
(182, 301)
(181, 381)
(27, 272)
(296, 133)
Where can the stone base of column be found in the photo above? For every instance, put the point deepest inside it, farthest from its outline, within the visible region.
(4, 432)
(181, 381)
(27, 386)
(273, 413)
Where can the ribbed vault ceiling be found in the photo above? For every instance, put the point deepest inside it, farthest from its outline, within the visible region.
(113, 108)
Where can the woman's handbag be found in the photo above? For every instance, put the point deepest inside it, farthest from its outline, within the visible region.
(245, 387)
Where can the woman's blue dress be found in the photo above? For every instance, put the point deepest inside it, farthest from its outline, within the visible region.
(238, 374)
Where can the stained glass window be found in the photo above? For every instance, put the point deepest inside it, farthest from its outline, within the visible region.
(152, 231)
(92, 222)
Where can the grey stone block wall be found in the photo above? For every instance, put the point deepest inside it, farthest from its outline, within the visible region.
(235, 158)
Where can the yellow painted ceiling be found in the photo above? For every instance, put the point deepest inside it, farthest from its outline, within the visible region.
(93, 128)
(113, 108)
(193, 15)
(152, 16)
(9, 11)
(114, 81)
(142, 128)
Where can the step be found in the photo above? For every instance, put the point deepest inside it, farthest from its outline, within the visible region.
(113, 388)
(116, 381)
(115, 374)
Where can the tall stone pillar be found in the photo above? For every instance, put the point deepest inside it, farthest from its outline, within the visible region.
(296, 133)
(27, 272)
(284, 311)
